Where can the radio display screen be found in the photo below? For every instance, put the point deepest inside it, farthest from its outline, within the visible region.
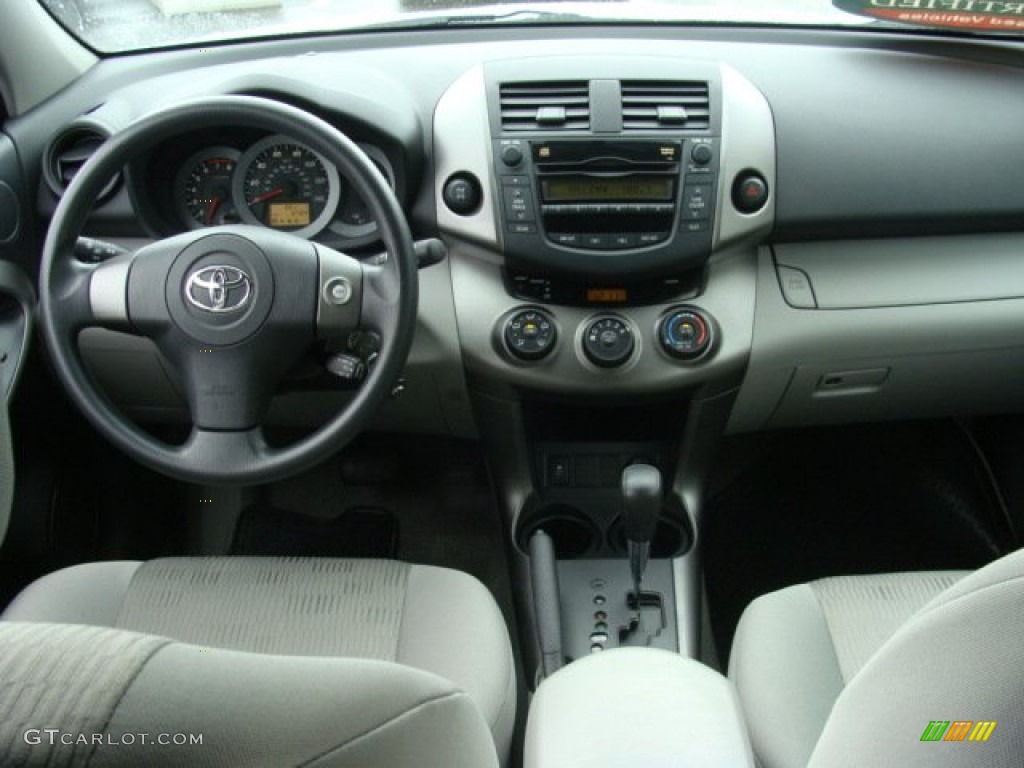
(627, 189)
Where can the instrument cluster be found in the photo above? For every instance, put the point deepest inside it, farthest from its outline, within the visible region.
(271, 181)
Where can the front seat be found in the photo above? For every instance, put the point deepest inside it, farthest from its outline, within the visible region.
(271, 661)
(907, 669)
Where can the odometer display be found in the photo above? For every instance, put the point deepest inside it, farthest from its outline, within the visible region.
(289, 215)
(286, 186)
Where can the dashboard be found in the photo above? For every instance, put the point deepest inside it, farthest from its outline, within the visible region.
(809, 222)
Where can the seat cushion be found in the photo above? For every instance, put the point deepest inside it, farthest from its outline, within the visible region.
(76, 695)
(795, 650)
(435, 619)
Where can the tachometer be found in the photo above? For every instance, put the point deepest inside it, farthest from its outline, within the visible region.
(202, 188)
(287, 186)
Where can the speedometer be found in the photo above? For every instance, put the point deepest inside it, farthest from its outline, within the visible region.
(285, 185)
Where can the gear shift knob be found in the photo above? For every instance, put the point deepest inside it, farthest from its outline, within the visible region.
(641, 503)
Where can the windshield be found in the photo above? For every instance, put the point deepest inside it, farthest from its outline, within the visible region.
(113, 26)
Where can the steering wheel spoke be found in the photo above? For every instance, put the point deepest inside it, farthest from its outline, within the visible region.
(211, 453)
(340, 295)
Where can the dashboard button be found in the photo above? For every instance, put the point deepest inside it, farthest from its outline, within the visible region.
(530, 334)
(462, 194)
(623, 241)
(749, 192)
(651, 238)
(522, 228)
(518, 204)
(566, 238)
(595, 241)
(694, 226)
(685, 334)
(515, 181)
(608, 341)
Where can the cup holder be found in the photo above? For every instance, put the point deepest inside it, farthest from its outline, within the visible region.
(671, 537)
(572, 533)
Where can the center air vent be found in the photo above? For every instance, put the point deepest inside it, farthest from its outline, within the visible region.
(662, 105)
(67, 154)
(545, 106)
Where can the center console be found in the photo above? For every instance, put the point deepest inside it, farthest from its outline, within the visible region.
(602, 215)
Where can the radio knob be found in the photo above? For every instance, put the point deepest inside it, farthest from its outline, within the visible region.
(530, 334)
(685, 334)
(701, 154)
(511, 156)
(608, 342)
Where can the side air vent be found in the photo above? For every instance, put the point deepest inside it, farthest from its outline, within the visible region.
(657, 105)
(545, 106)
(67, 154)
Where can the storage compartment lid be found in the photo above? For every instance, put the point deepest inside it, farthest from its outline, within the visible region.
(636, 706)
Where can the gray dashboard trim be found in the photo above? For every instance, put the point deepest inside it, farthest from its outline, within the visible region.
(923, 360)
(904, 272)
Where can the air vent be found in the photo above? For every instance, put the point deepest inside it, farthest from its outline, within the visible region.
(656, 105)
(67, 154)
(545, 106)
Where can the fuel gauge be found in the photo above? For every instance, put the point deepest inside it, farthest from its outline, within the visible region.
(202, 189)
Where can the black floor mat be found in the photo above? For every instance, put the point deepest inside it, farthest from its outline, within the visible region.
(356, 532)
(825, 502)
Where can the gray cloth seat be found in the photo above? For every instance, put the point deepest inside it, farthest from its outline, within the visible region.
(851, 671)
(323, 662)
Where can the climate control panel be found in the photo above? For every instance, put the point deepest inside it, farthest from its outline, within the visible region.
(608, 340)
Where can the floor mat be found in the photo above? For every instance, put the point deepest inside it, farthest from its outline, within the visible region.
(356, 532)
(825, 502)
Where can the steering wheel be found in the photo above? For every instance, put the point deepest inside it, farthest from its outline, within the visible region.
(230, 309)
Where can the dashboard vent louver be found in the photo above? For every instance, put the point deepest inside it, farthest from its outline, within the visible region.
(662, 105)
(66, 155)
(545, 106)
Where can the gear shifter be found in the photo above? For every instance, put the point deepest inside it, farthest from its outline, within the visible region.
(641, 503)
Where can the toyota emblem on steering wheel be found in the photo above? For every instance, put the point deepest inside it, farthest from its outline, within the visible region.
(219, 289)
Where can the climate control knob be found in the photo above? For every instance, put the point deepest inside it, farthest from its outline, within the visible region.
(608, 341)
(530, 334)
(685, 333)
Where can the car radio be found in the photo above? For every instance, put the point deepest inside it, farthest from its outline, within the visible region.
(607, 207)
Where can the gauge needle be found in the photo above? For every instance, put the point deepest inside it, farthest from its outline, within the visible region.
(266, 196)
(211, 210)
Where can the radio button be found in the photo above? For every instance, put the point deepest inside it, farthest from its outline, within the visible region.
(518, 204)
(565, 238)
(596, 242)
(515, 181)
(522, 228)
(697, 202)
(624, 241)
(693, 227)
(651, 238)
